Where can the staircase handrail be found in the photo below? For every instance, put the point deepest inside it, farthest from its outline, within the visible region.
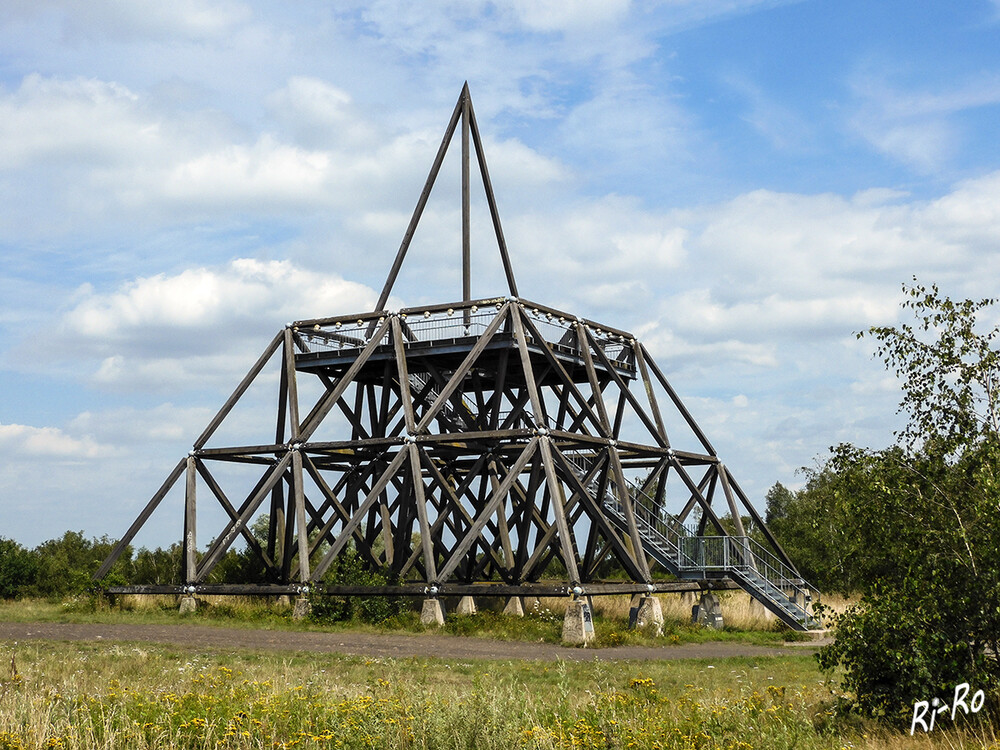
(746, 554)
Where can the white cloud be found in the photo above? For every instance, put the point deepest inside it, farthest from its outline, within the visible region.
(139, 428)
(48, 442)
(264, 172)
(318, 114)
(917, 127)
(686, 351)
(199, 326)
(83, 120)
(104, 155)
(134, 20)
(609, 238)
(554, 15)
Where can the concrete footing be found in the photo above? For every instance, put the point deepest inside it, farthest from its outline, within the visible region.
(432, 613)
(650, 615)
(466, 606)
(188, 604)
(578, 625)
(709, 611)
(283, 601)
(514, 607)
(302, 608)
(759, 610)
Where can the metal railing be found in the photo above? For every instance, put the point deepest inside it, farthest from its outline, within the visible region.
(445, 325)
(463, 321)
(744, 556)
(757, 564)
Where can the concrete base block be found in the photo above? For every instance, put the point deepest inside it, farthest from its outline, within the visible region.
(283, 601)
(633, 611)
(432, 613)
(709, 611)
(466, 606)
(650, 615)
(514, 607)
(760, 611)
(188, 604)
(302, 608)
(578, 625)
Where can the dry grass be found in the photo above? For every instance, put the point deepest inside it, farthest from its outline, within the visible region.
(140, 696)
(739, 610)
(237, 604)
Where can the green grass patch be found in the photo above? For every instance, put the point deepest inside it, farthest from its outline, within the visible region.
(139, 696)
(86, 696)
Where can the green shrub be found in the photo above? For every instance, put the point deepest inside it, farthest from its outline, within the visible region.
(18, 569)
(349, 570)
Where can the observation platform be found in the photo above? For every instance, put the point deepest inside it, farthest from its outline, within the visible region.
(438, 339)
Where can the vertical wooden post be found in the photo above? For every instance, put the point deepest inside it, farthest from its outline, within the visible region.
(190, 522)
(300, 516)
(466, 241)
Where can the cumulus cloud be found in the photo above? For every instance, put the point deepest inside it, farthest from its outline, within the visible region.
(47, 442)
(601, 239)
(86, 121)
(106, 154)
(247, 175)
(199, 325)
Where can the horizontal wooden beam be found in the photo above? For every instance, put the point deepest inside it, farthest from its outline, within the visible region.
(422, 589)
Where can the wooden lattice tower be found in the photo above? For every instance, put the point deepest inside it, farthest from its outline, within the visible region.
(483, 444)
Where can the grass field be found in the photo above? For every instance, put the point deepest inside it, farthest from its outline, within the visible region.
(56, 695)
(60, 695)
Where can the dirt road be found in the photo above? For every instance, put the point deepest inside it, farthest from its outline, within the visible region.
(369, 644)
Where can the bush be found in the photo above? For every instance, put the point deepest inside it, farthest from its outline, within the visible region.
(18, 569)
(65, 565)
(349, 570)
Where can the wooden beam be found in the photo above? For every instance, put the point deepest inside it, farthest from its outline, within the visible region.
(190, 521)
(421, 501)
(404, 376)
(466, 239)
(359, 515)
(138, 523)
(240, 390)
(421, 202)
(559, 508)
(328, 400)
(458, 552)
(491, 201)
(678, 404)
(216, 490)
(224, 540)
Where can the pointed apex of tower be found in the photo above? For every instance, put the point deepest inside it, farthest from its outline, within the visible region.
(465, 114)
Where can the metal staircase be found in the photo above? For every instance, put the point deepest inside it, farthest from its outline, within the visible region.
(418, 381)
(682, 552)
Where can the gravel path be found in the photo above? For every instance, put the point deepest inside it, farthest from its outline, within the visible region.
(370, 644)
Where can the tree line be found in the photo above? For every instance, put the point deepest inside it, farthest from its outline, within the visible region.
(62, 568)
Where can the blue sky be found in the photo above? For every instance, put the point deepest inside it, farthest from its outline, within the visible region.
(743, 184)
